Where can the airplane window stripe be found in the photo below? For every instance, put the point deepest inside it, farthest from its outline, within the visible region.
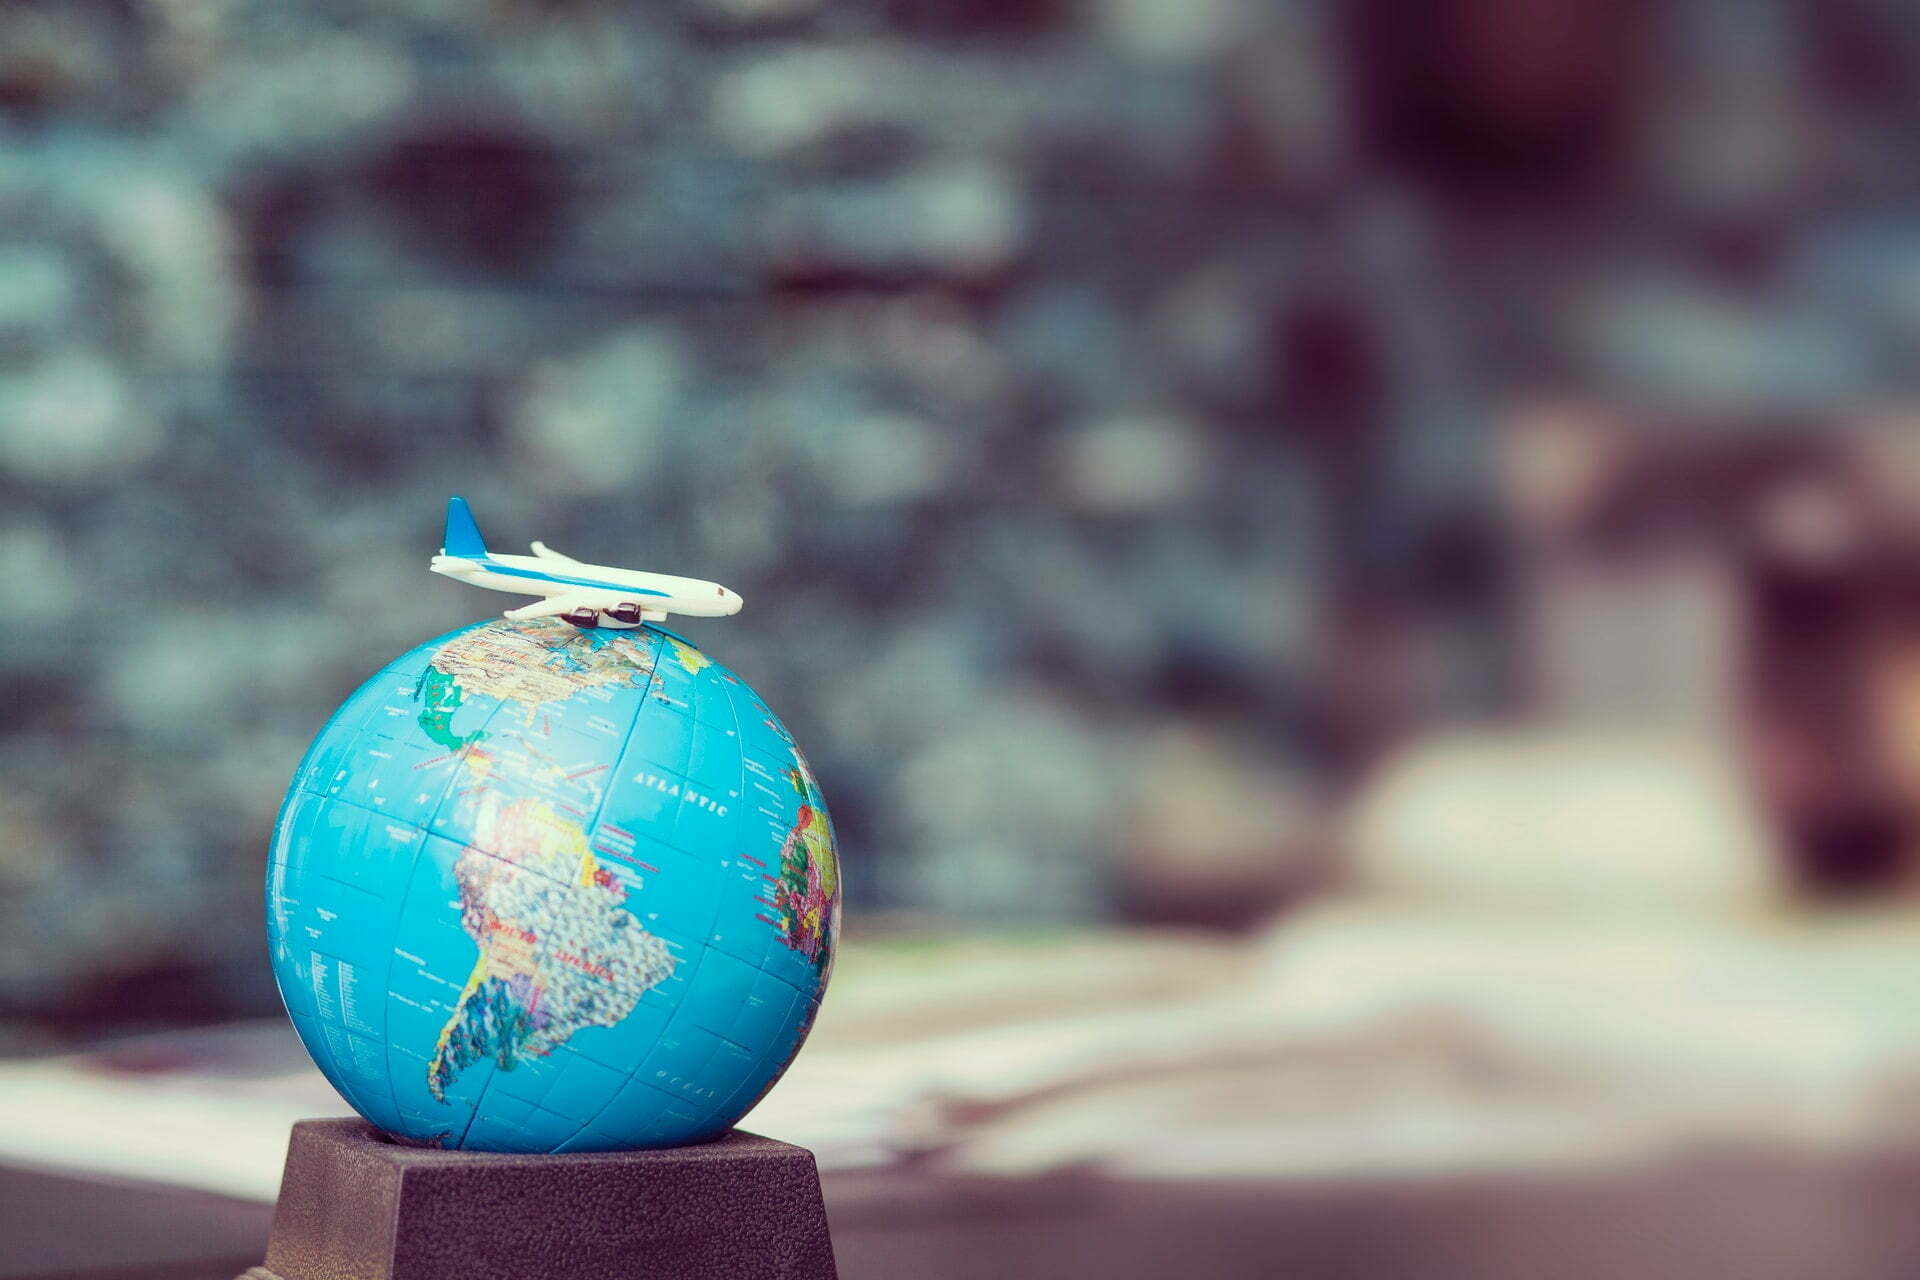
(492, 566)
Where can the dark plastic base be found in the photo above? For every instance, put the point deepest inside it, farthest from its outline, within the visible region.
(355, 1206)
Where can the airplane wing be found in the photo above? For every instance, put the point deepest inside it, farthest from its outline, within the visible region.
(545, 552)
(558, 603)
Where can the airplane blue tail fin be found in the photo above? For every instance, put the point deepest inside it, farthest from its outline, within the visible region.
(462, 537)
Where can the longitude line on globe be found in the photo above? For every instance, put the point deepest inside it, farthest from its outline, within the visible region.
(400, 913)
(699, 955)
(589, 825)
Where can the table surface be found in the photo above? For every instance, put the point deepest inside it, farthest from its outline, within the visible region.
(1762, 1216)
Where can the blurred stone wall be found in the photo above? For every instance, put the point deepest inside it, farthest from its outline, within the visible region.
(1058, 380)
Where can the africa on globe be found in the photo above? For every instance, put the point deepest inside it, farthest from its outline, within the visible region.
(542, 885)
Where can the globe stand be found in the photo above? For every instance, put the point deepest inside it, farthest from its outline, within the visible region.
(355, 1205)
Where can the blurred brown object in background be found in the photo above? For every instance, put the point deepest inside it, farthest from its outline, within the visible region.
(1824, 570)
(1220, 832)
(1494, 98)
(1752, 582)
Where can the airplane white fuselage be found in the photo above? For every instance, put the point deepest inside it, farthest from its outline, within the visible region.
(596, 586)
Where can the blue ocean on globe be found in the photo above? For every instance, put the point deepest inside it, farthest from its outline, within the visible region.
(537, 888)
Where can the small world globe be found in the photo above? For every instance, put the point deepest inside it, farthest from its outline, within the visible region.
(538, 888)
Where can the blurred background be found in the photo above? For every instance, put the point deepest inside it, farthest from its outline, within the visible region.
(1348, 571)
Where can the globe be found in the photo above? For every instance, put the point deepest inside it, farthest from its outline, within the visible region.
(537, 889)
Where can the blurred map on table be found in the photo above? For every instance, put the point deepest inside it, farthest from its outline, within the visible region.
(1362, 1039)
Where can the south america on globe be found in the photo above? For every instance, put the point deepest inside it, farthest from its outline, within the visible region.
(541, 886)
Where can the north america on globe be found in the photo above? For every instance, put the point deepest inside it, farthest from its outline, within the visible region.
(541, 887)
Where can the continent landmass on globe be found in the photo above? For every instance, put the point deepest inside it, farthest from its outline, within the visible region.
(689, 657)
(558, 950)
(529, 664)
(809, 883)
(440, 698)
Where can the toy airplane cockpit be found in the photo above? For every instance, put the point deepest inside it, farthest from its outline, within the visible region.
(586, 595)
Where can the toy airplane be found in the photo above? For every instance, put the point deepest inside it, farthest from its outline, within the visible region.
(587, 595)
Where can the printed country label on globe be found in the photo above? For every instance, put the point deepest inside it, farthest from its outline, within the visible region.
(542, 888)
